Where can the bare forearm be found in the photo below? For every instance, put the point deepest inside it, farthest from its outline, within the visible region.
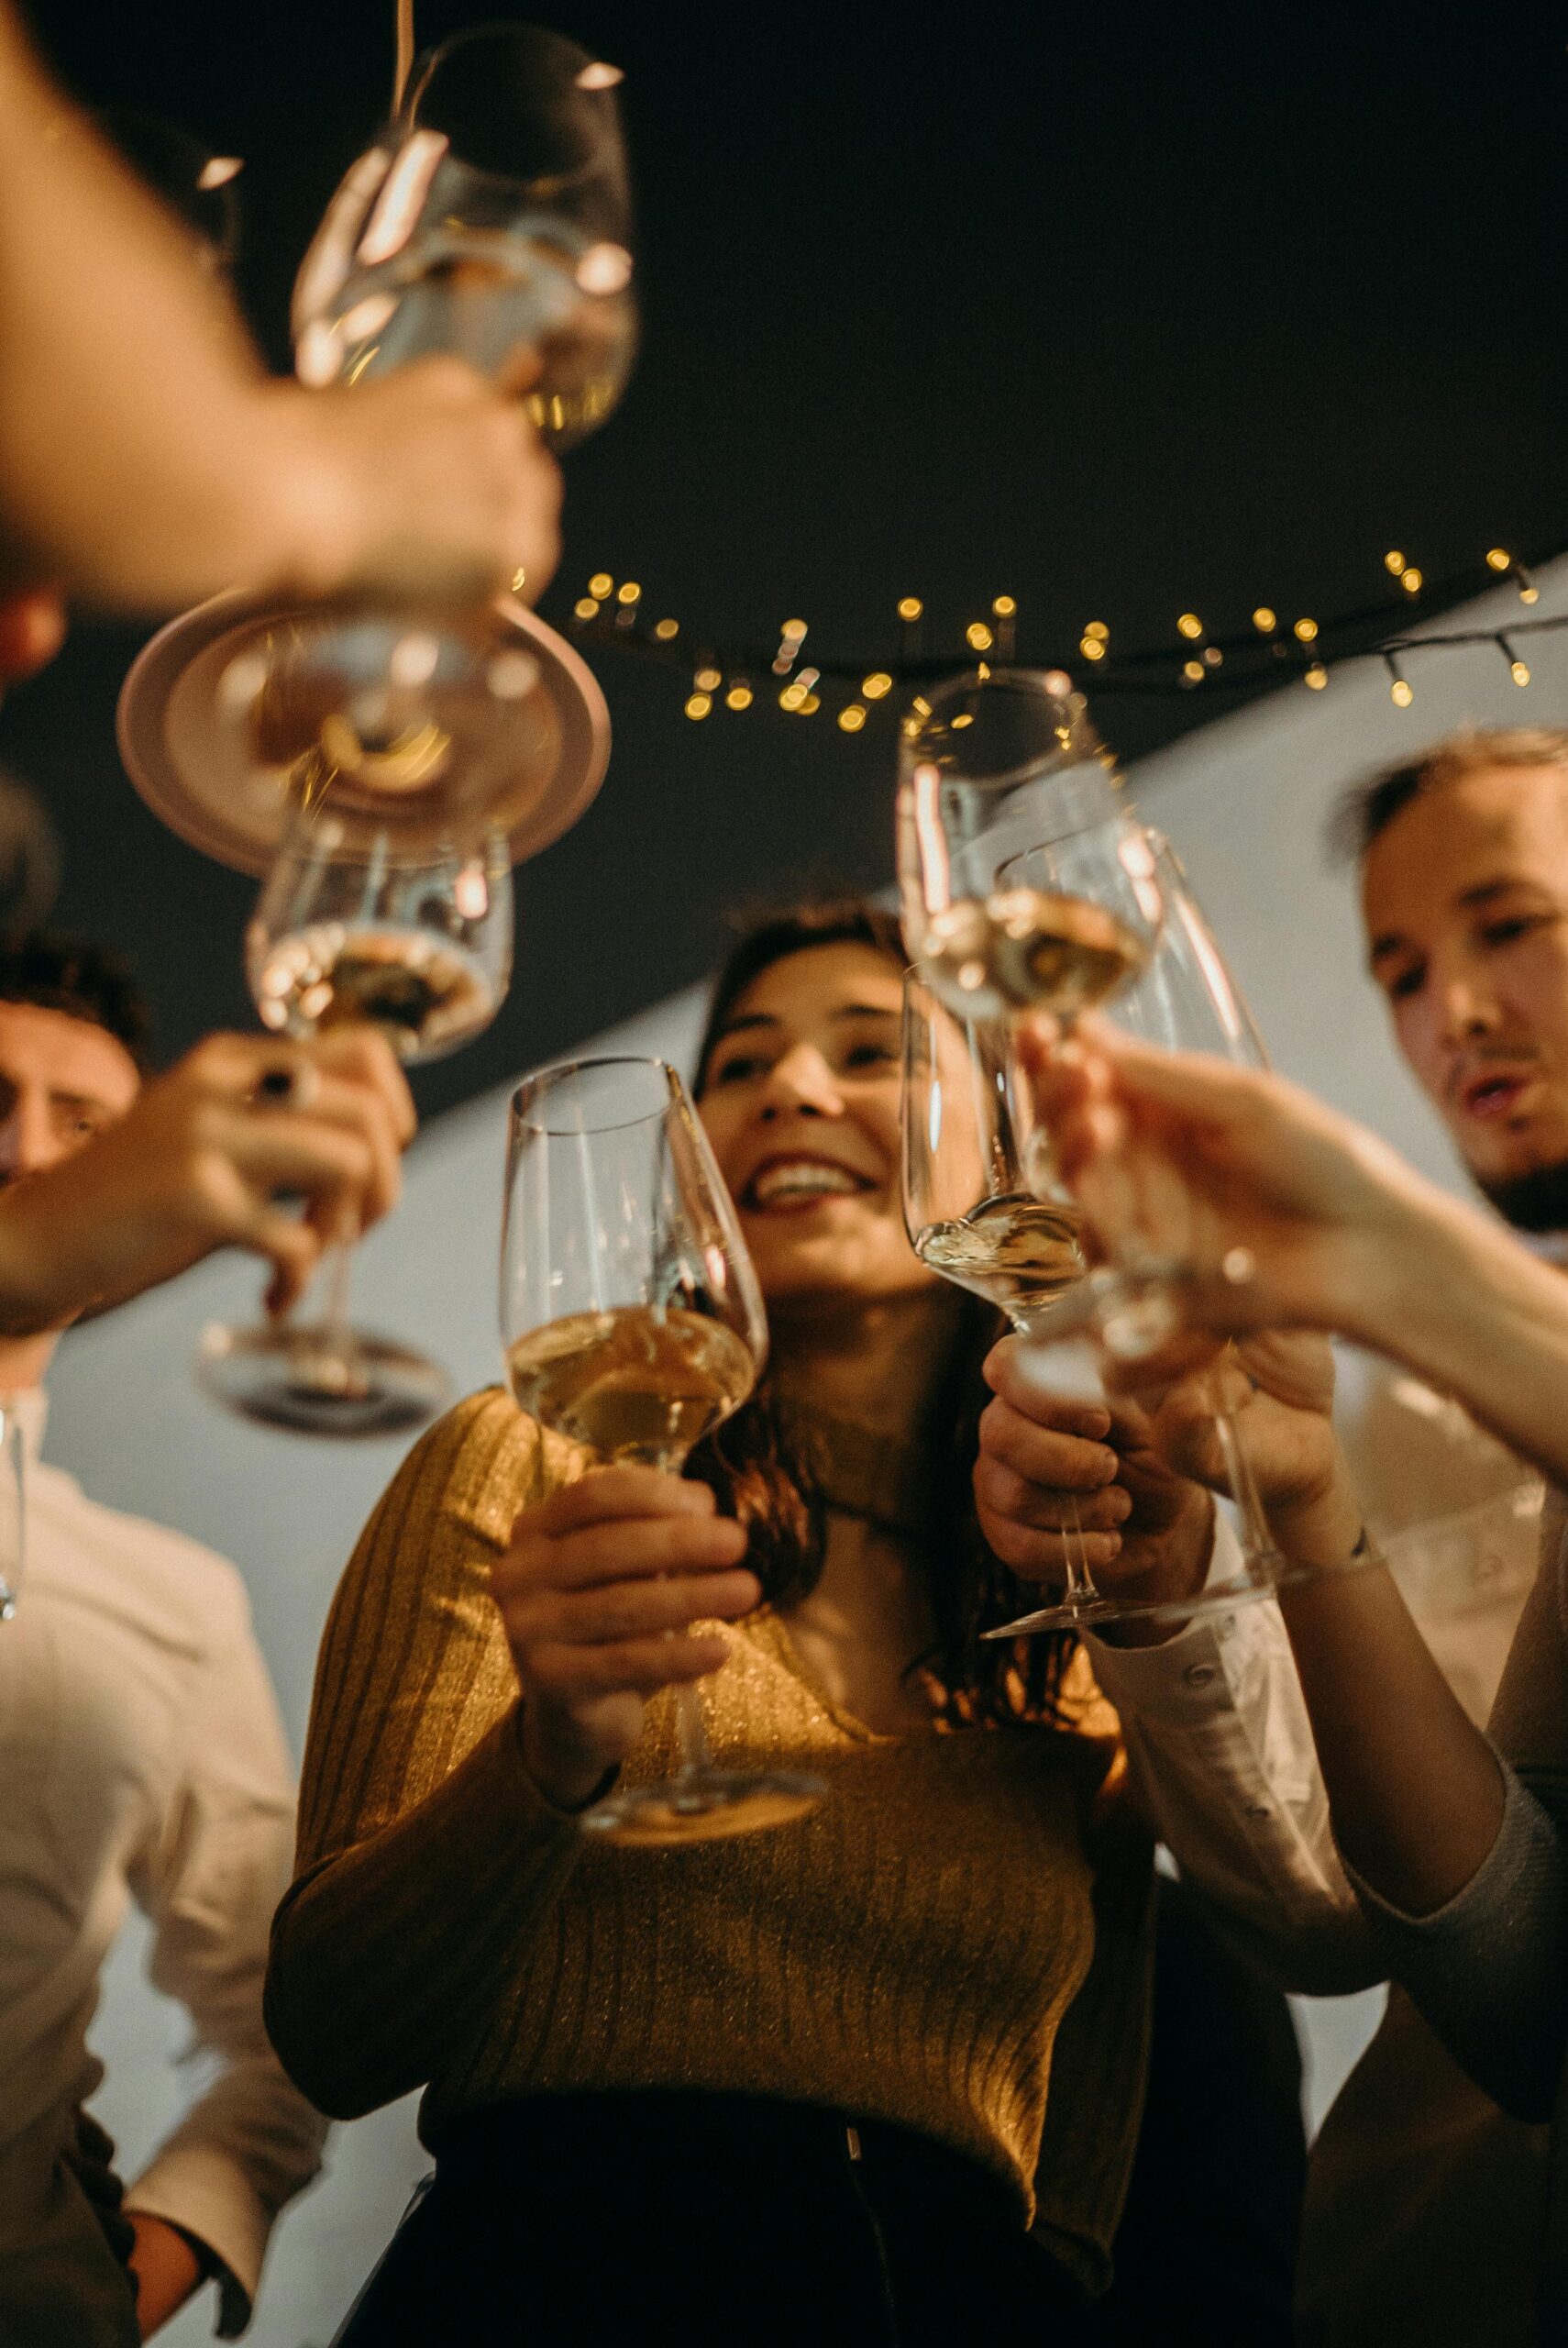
(1414, 1790)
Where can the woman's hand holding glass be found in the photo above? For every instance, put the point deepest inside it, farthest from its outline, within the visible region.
(598, 1590)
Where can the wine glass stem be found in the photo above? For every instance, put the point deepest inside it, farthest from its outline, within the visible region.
(1257, 1541)
(336, 1331)
(693, 1757)
(1078, 1586)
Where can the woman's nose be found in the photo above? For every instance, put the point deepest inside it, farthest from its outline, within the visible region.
(802, 1084)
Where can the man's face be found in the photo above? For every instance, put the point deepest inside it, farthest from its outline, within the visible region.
(1465, 898)
(61, 1081)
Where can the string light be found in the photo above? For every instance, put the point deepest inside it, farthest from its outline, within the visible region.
(666, 631)
(586, 607)
(1499, 558)
(1401, 692)
(699, 705)
(1004, 607)
(1092, 647)
(910, 607)
(1264, 621)
(628, 592)
(793, 631)
(851, 718)
(1056, 682)
(1410, 579)
(791, 697)
(1394, 561)
(1212, 656)
(1516, 668)
(600, 585)
(708, 680)
(739, 695)
(1190, 626)
(1317, 675)
(1004, 611)
(876, 684)
(1194, 671)
(978, 637)
(1305, 631)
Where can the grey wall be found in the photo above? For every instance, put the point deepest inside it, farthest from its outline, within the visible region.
(1244, 800)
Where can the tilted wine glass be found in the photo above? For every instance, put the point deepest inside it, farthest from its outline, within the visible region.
(632, 1324)
(972, 1217)
(418, 946)
(1186, 1001)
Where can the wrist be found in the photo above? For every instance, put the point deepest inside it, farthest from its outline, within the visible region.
(1322, 1527)
(561, 1770)
(1180, 1573)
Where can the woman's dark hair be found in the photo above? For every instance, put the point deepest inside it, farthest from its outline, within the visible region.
(763, 1477)
(64, 974)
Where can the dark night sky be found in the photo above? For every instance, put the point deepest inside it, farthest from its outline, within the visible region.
(1121, 311)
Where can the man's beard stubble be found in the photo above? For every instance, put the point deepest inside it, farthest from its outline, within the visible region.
(1536, 1202)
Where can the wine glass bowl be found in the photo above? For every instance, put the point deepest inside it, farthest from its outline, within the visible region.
(632, 1323)
(492, 222)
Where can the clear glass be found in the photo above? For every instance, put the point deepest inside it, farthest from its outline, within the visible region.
(972, 1216)
(13, 1507)
(632, 1322)
(1188, 1000)
(491, 224)
(420, 948)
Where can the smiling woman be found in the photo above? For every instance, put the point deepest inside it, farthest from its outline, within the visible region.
(901, 2041)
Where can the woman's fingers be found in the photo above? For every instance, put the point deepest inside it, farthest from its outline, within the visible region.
(572, 1674)
(605, 1494)
(1042, 1555)
(1053, 1506)
(615, 1612)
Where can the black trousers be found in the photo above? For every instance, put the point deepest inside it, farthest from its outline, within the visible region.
(705, 2217)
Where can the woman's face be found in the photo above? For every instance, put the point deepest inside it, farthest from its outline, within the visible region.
(800, 1102)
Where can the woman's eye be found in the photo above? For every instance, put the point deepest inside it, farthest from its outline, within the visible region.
(1406, 983)
(1503, 933)
(741, 1071)
(870, 1055)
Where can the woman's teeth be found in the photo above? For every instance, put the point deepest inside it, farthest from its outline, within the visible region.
(802, 1179)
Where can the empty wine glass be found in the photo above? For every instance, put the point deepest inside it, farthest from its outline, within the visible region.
(971, 1215)
(419, 947)
(632, 1324)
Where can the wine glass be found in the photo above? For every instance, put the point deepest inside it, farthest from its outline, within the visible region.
(632, 1324)
(13, 1505)
(491, 223)
(1187, 1000)
(971, 1215)
(418, 946)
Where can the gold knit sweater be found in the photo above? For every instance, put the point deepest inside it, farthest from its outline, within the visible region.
(931, 1947)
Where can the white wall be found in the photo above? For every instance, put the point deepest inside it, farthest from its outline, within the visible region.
(1245, 801)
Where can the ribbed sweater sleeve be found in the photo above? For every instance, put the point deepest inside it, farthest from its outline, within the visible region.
(427, 1858)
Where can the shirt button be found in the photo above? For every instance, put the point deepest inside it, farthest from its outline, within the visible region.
(1198, 1675)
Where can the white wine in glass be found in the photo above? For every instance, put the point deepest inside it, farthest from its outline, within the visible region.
(418, 946)
(632, 1322)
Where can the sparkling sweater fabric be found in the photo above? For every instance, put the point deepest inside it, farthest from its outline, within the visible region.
(945, 1944)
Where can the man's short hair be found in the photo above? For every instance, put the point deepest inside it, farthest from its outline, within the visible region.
(1371, 805)
(64, 974)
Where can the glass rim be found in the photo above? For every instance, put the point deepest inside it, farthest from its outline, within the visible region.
(492, 851)
(558, 1070)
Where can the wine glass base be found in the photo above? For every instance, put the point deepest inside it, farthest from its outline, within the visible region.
(290, 1375)
(703, 1806)
(1263, 1579)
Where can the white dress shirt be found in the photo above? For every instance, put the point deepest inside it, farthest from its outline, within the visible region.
(1220, 1748)
(141, 1757)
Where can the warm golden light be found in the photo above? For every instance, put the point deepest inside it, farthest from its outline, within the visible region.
(1317, 675)
(665, 629)
(910, 607)
(1212, 656)
(965, 718)
(601, 584)
(924, 706)
(1518, 673)
(851, 718)
(1004, 607)
(1307, 630)
(628, 592)
(1401, 692)
(699, 705)
(978, 637)
(1092, 648)
(811, 706)
(1097, 629)
(1056, 681)
(1394, 561)
(793, 631)
(1190, 626)
(585, 608)
(708, 681)
(878, 683)
(600, 75)
(1264, 621)
(1531, 594)
(1498, 558)
(738, 697)
(1193, 672)
(792, 697)
(1410, 579)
